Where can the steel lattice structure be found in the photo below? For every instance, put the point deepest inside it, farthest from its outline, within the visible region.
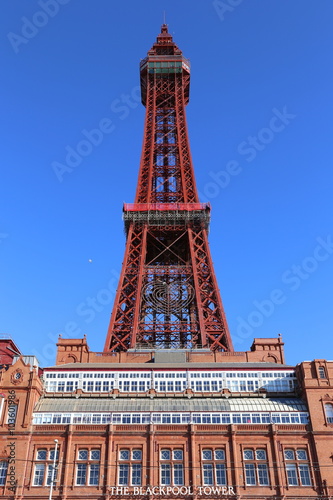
(167, 295)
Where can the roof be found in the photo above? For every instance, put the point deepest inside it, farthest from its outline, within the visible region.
(169, 404)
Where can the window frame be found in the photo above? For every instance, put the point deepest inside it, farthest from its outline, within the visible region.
(328, 409)
(256, 469)
(43, 467)
(130, 466)
(301, 467)
(171, 463)
(89, 466)
(213, 468)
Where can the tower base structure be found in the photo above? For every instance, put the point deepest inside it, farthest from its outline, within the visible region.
(192, 423)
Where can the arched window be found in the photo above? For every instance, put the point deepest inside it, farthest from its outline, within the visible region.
(322, 372)
(329, 413)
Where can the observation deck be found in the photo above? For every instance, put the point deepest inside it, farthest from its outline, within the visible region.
(167, 214)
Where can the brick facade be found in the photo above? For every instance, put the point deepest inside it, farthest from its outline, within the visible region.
(244, 452)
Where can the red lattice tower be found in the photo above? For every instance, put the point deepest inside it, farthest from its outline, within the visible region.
(167, 295)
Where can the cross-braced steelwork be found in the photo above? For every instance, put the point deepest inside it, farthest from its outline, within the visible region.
(167, 295)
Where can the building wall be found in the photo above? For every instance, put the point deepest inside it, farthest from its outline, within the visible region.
(20, 442)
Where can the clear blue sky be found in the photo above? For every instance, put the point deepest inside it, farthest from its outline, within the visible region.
(260, 124)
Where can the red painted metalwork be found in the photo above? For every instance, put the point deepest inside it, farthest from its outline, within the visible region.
(145, 207)
(167, 295)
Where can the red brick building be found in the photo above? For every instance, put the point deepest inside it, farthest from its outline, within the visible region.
(168, 409)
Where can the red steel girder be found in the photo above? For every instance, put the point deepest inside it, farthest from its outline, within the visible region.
(167, 295)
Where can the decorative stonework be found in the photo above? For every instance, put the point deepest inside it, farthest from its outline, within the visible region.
(17, 377)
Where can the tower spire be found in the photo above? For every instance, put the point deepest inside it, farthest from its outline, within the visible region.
(167, 295)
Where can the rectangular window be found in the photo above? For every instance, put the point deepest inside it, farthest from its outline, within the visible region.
(81, 474)
(225, 418)
(256, 467)
(52, 386)
(178, 474)
(165, 474)
(215, 471)
(221, 476)
(39, 475)
(94, 474)
(106, 418)
(145, 418)
(298, 473)
(134, 386)
(263, 475)
(130, 471)
(304, 473)
(250, 475)
(51, 475)
(186, 417)
(142, 387)
(69, 386)
(291, 474)
(216, 418)
(172, 473)
(136, 474)
(208, 474)
(43, 471)
(3, 472)
(206, 385)
(61, 386)
(265, 418)
(123, 474)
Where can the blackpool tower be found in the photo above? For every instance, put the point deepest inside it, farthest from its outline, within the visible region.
(167, 296)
